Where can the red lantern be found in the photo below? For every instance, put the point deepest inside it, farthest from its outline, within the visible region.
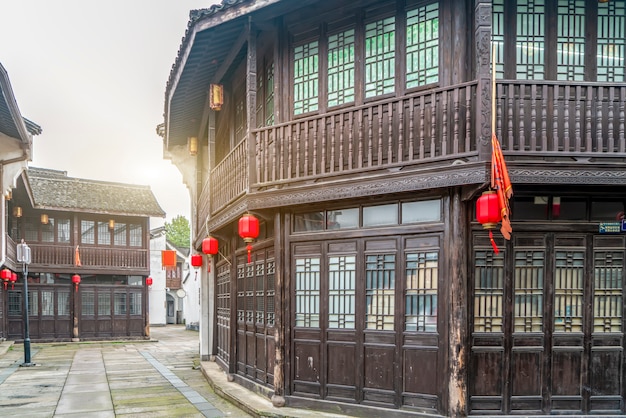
(210, 246)
(248, 230)
(149, 281)
(13, 279)
(488, 213)
(196, 260)
(76, 281)
(5, 275)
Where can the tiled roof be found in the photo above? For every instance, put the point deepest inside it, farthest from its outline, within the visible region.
(53, 189)
(10, 123)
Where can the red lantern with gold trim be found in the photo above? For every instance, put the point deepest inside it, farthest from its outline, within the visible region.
(248, 230)
(76, 281)
(149, 281)
(196, 260)
(5, 275)
(210, 245)
(488, 213)
(13, 279)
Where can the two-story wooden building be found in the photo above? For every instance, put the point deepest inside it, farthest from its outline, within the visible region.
(95, 230)
(359, 133)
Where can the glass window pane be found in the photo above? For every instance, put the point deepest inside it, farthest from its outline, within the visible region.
(307, 292)
(313, 221)
(611, 32)
(88, 303)
(135, 303)
(31, 230)
(422, 45)
(87, 232)
(119, 235)
(47, 303)
(530, 40)
(529, 208)
(341, 68)
(568, 291)
(136, 235)
(422, 211)
(570, 41)
(421, 292)
(607, 211)
(15, 303)
(104, 234)
(342, 219)
(608, 291)
(47, 231)
(120, 304)
(489, 291)
(63, 303)
(63, 230)
(342, 292)
(104, 304)
(528, 291)
(306, 74)
(380, 285)
(497, 24)
(380, 51)
(380, 215)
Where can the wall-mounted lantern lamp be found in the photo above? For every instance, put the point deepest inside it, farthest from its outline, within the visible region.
(216, 96)
(111, 223)
(17, 212)
(44, 218)
(192, 144)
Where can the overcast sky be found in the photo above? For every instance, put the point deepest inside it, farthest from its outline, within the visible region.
(92, 74)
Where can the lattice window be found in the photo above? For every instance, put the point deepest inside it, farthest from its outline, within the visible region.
(269, 292)
(136, 235)
(306, 78)
(63, 230)
(104, 235)
(104, 304)
(241, 293)
(260, 292)
(380, 286)
(380, 51)
(608, 300)
(33, 303)
(611, 53)
(14, 303)
(63, 303)
(422, 275)
(119, 237)
(497, 24)
(528, 291)
(223, 311)
(249, 293)
(47, 231)
(488, 291)
(341, 68)
(265, 101)
(341, 291)
(135, 303)
(570, 41)
(87, 304)
(87, 232)
(120, 304)
(530, 41)
(568, 291)
(422, 45)
(47, 303)
(307, 289)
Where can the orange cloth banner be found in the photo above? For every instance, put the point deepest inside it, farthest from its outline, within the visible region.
(168, 259)
(501, 183)
(77, 262)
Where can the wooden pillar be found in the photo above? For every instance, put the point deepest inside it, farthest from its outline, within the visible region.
(458, 354)
(278, 399)
(251, 94)
(482, 32)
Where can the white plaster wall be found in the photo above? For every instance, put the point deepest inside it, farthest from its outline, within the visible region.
(156, 293)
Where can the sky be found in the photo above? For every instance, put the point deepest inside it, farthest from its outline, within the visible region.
(92, 74)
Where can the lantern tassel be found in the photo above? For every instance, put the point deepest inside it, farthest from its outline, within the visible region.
(249, 248)
(493, 243)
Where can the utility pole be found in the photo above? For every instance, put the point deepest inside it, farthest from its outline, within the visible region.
(23, 256)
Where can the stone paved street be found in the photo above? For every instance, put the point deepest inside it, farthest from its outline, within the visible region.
(159, 378)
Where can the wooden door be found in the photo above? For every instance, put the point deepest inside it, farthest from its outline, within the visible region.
(548, 325)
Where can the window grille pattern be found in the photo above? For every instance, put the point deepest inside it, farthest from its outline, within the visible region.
(47, 303)
(306, 83)
(422, 45)
(119, 237)
(47, 231)
(307, 289)
(488, 291)
(31, 230)
(341, 68)
(608, 294)
(530, 41)
(341, 291)
(104, 304)
(120, 304)
(241, 293)
(380, 284)
(568, 291)
(14, 303)
(136, 235)
(249, 293)
(422, 275)
(497, 24)
(33, 302)
(265, 101)
(260, 292)
(104, 235)
(135, 303)
(270, 291)
(570, 50)
(87, 303)
(223, 311)
(611, 41)
(380, 51)
(528, 291)
(63, 230)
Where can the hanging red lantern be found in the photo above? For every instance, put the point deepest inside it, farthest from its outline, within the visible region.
(248, 230)
(196, 260)
(488, 213)
(76, 281)
(5, 275)
(210, 245)
(149, 281)
(13, 279)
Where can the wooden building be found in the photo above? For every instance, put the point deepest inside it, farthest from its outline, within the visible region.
(359, 133)
(95, 230)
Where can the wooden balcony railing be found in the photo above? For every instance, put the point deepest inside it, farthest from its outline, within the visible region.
(229, 179)
(426, 126)
(56, 255)
(559, 118)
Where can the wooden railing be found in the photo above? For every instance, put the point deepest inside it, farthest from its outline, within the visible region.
(90, 257)
(421, 127)
(568, 119)
(229, 179)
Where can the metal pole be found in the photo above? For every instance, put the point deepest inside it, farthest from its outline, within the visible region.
(26, 332)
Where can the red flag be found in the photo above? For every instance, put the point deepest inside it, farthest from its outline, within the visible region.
(502, 184)
(77, 258)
